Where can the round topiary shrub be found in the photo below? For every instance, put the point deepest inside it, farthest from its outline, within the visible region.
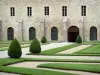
(79, 39)
(43, 40)
(14, 50)
(35, 46)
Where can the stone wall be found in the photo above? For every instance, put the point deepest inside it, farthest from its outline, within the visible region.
(55, 18)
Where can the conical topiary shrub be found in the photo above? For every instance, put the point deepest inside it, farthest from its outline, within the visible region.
(35, 46)
(14, 50)
(43, 40)
(79, 39)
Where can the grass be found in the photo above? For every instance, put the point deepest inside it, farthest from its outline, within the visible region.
(78, 67)
(6, 61)
(61, 60)
(9, 60)
(6, 48)
(28, 71)
(4, 45)
(95, 49)
(24, 42)
(75, 54)
(91, 42)
(59, 49)
(25, 71)
(32, 71)
(3, 49)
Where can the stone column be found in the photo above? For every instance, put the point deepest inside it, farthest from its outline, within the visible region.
(42, 29)
(83, 28)
(65, 29)
(0, 29)
(20, 30)
(98, 33)
(44, 25)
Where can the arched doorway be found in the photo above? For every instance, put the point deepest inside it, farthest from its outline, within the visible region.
(93, 33)
(73, 32)
(54, 33)
(31, 33)
(10, 33)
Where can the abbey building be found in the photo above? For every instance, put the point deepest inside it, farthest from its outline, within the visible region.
(60, 20)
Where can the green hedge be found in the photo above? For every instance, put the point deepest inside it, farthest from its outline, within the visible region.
(35, 46)
(14, 50)
(43, 40)
(79, 39)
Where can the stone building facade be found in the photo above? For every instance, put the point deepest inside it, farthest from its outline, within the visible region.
(55, 25)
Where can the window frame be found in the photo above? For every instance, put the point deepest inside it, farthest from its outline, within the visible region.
(64, 10)
(12, 11)
(29, 11)
(83, 10)
(46, 10)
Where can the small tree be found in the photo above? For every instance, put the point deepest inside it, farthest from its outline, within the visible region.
(79, 39)
(14, 50)
(43, 40)
(35, 46)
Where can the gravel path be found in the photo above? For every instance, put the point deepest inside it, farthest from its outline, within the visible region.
(2, 73)
(36, 63)
(75, 49)
(64, 57)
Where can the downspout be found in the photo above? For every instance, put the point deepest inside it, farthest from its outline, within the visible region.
(22, 29)
(44, 28)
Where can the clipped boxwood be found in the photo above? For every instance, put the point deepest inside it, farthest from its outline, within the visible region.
(14, 50)
(35, 46)
(43, 40)
(79, 39)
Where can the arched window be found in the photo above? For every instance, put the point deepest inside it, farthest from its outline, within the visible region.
(10, 33)
(93, 33)
(31, 33)
(54, 33)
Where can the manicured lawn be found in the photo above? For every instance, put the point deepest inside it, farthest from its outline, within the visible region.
(3, 48)
(59, 49)
(76, 54)
(91, 42)
(28, 71)
(9, 60)
(5, 61)
(8, 44)
(25, 42)
(77, 67)
(61, 60)
(4, 45)
(32, 71)
(95, 49)
(25, 71)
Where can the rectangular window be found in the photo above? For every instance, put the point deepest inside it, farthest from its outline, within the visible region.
(46, 10)
(64, 10)
(29, 11)
(83, 10)
(12, 11)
